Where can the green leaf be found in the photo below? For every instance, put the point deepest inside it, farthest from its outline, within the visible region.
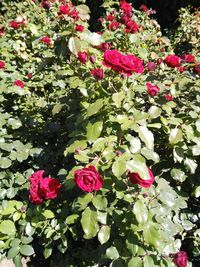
(148, 261)
(93, 131)
(17, 261)
(47, 252)
(78, 144)
(150, 154)
(94, 108)
(13, 251)
(135, 262)
(138, 165)
(72, 219)
(141, 212)
(15, 124)
(117, 98)
(89, 223)
(104, 234)
(84, 200)
(26, 250)
(112, 253)
(154, 112)
(175, 136)
(48, 214)
(151, 235)
(7, 227)
(146, 136)
(100, 202)
(74, 45)
(5, 163)
(191, 165)
(119, 167)
(178, 175)
(56, 109)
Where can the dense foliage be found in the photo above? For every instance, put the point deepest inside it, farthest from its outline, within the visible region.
(100, 137)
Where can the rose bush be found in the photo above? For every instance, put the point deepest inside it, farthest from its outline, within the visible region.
(94, 110)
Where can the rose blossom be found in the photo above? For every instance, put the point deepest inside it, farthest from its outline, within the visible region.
(131, 27)
(152, 89)
(189, 58)
(151, 66)
(97, 73)
(49, 188)
(64, 10)
(125, 64)
(1, 31)
(2, 64)
(14, 24)
(114, 25)
(46, 40)
(144, 8)
(79, 28)
(197, 69)
(88, 179)
(181, 69)
(19, 83)
(42, 188)
(136, 179)
(110, 17)
(126, 8)
(82, 57)
(180, 259)
(104, 46)
(168, 97)
(45, 4)
(172, 61)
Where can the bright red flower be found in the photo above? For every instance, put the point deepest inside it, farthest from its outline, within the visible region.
(172, 61)
(197, 69)
(168, 97)
(2, 31)
(110, 17)
(49, 188)
(151, 66)
(2, 64)
(104, 46)
(79, 28)
(180, 259)
(126, 8)
(182, 69)
(125, 64)
(114, 25)
(88, 179)
(14, 24)
(46, 40)
(19, 83)
(131, 27)
(64, 9)
(136, 179)
(82, 57)
(189, 58)
(152, 89)
(144, 8)
(97, 73)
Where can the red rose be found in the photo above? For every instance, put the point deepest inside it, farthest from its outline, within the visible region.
(113, 25)
(151, 66)
(125, 19)
(88, 179)
(64, 10)
(172, 61)
(2, 64)
(181, 69)
(135, 179)
(49, 188)
(125, 64)
(110, 17)
(152, 89)
(34, 193)
(19, 83)
(159, 61)
(144, 8)
(74, 14)
(46, 40)
(104, 46)
(79, 28)
(131, 27)
(42, 188)
(126, 8)
(97, 73)
(1, 31)
(14, 24)
(29, 75)
(168, 97)
(189, 58)
(181, 259)
(82, 57)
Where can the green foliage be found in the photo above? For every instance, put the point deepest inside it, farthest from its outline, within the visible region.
(64, 119)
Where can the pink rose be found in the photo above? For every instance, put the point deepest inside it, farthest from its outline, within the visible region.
(46, 40)
(152, 89)
(172, 61)
(135, 179)
(49, 188)
(104, 46)
(168, 97)
(126, 8)
(151, 66)
(97, 73)
(180, 259)
(88, 179)
(42, 188)
(125, 64)
(2, 64)
(82, 57)
(64, 10)
(144, 8)
(19, 83)
(114, 25)
(110, 17)
(79, 28)
(189, 58)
